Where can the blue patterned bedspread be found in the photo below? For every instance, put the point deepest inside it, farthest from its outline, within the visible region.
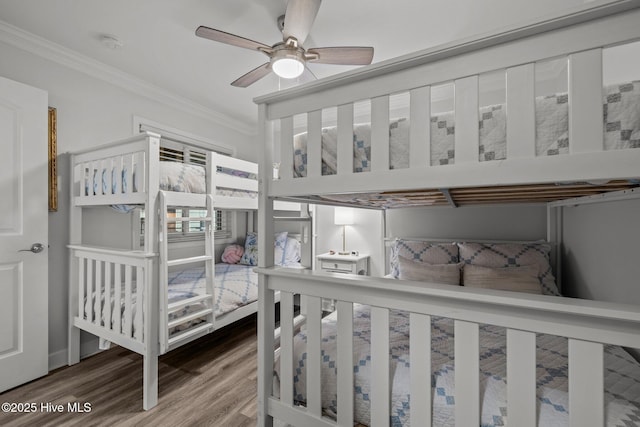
(235, 285)
(622, 374)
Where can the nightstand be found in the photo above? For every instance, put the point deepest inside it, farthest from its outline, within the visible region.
(347, 264)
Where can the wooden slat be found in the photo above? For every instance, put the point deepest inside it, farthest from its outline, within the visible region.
(521, 378)
(107, 292)
(345, 363)
(90, 290)
(286, 148)
(127, 163)
(585, 101)
(286, 348)
(420, 127)
(98, 293)
(314, 337)
(117, 275)
(380, 133)
(521, 114)
(467, 371)
(314, 143)
(586, 384)
(466, 118)
(345, 140)
(380, 389)
(420, 359)
(140, 296)
(82, 286)
(128, 305)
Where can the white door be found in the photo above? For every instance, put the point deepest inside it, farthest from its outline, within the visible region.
(23, 223)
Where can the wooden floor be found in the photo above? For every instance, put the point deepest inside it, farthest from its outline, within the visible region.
(209, 382)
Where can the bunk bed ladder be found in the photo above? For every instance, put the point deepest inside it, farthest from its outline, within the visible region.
(188, 310)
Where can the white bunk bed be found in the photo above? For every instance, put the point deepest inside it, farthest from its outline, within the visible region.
(149, 300)
(587, 170)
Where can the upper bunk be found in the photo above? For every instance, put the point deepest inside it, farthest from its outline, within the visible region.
(129, 171)
(536, 113)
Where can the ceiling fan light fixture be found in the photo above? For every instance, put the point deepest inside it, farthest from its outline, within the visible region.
(287, 67)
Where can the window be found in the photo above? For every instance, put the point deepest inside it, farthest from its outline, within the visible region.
(181, 146)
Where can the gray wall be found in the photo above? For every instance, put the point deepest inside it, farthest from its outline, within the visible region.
(600, 251)
(92, 112)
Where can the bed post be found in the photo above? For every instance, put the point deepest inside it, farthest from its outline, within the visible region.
(151, 321)
(266, 303)
(75, 238)
(554, 237)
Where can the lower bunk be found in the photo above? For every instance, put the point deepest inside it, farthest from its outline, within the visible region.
(419, 351)
(120, 302)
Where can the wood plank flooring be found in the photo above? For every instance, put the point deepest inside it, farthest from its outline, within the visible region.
(209, 382)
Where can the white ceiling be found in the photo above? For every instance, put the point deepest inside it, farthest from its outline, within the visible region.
(160, 47)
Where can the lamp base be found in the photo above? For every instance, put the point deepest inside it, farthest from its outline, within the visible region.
(344, 253)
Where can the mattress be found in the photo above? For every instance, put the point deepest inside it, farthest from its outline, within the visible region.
(621, 107)
(622, 374)
(235, 286)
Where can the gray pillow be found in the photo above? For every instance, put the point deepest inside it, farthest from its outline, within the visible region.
(448, 274)
(518, 279)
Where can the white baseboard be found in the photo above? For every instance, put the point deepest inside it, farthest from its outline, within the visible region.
(59, 358)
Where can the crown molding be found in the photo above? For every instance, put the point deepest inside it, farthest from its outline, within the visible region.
(41, 47)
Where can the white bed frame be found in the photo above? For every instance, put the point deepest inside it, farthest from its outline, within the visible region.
(580, 35)
(143, 273)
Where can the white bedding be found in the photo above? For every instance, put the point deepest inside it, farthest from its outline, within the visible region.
(621, 104)
(622, 374)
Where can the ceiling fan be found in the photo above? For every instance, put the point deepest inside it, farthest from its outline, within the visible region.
(288, 59)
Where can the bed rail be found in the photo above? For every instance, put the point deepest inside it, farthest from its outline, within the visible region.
(587, 325)
(515, 53)
(114, 294)
(235, 182)
(116, 173)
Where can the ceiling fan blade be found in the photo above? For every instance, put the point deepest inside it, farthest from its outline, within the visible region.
(307, 76)
(252, 76)
(232, 39)
(299, 18)
(347, 55)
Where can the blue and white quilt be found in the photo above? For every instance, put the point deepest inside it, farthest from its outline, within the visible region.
(622, 374)
(621, 121)
(235, 285)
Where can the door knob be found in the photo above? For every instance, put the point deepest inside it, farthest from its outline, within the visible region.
(36, 248)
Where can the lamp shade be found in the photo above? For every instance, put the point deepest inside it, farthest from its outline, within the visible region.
(343, 216)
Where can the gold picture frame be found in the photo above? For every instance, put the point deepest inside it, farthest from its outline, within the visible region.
(53, 153)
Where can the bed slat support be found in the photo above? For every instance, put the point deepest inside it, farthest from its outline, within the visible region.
(467, 369)
(286, 347)
(585, 101)
(521, 378)
(345, 363)
(420, 359)
(380, 388)
(380, 133)
(586, 384)
(420, 127)
(314, 381)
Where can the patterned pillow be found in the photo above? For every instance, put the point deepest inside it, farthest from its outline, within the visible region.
(250, 256)
(512, 255)
(418, 250)
(517, 279)
(448, 274)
